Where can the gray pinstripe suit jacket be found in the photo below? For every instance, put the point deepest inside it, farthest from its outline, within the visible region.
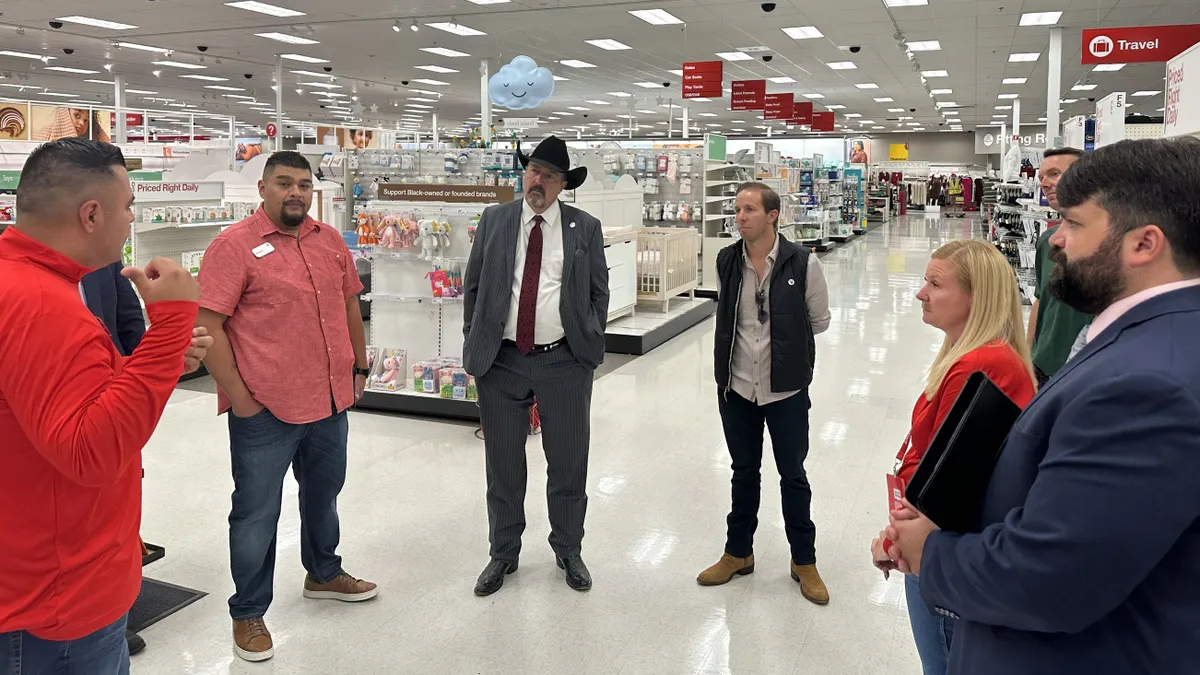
(488, 285)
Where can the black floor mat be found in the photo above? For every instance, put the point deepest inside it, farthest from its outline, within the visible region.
(158, 600)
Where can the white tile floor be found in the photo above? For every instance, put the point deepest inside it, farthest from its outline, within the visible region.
(413, 519)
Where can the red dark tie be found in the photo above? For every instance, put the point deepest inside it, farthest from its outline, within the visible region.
(527, 306)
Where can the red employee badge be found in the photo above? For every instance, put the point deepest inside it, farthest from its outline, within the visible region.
(895, 486)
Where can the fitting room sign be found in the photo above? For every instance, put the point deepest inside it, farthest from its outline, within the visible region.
(702, 79)
(451, 194)
(1141, 44)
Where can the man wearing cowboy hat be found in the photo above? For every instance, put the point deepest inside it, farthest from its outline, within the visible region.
(535, 308)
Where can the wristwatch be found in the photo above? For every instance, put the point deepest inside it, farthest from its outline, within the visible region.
(365, 372)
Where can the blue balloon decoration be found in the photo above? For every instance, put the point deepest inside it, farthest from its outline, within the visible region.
(520, 84)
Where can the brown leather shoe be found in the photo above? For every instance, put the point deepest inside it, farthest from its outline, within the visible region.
(810, 582)
(723, 571)
(342, 587)
(252, 640)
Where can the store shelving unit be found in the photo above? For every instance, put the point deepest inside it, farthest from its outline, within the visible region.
(179, 220)
(722, 175)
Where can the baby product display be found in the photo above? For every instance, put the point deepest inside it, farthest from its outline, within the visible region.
(444, 377)
(388, 369)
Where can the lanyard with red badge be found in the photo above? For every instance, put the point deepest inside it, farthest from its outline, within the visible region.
(895, 485)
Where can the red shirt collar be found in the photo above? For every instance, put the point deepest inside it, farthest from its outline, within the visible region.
(263, 225)
(16, 245)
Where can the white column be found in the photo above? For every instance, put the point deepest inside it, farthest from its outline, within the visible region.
(1054, 89)
(436, 135)
(1003, 140)
(670, 120)
(485, 103)
(191, 128)
(119, 108)
(769, 130)
(686, 123)
(1016, 117)
(232, 143)
(279, 104)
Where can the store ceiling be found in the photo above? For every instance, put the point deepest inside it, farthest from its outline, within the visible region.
(371, 60)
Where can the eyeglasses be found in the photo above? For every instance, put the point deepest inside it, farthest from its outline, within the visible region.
(760, 298)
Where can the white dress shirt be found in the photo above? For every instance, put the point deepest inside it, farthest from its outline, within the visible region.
(548, 326)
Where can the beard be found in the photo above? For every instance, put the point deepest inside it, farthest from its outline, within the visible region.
(1089, 285)
(291, 220)
(536, 196)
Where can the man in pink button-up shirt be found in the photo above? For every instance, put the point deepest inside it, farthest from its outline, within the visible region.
(280, 298)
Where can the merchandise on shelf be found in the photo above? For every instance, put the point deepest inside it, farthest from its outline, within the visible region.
(388, 369)
(191, 261)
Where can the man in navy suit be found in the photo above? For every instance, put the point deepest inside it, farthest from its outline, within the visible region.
(1084, 559)
(112, 299)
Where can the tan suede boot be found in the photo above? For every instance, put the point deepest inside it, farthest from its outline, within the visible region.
(811, 586)
(724, 570)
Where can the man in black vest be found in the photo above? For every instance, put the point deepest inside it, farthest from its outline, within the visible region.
(772, 301)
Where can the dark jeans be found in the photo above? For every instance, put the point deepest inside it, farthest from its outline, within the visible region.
(104, 652)
(263, 447)
(787, 421)
(933, 633)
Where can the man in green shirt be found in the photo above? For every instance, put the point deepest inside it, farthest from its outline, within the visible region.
(1053, 325)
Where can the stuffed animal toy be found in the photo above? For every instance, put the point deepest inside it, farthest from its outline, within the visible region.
(443, 232)
(472, 227)
(669, 211)
(428, 239)
(391, 370)
(390, 237)
(364, 228)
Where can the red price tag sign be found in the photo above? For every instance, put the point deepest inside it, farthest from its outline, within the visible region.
(777, 107)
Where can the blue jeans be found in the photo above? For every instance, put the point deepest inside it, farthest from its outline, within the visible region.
(933, 633)
(104, 652)
(263, 447)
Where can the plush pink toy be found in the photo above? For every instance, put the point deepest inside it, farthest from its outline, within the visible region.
(390, 237)
(391, 370)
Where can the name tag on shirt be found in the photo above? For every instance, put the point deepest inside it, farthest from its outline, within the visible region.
(264, 249)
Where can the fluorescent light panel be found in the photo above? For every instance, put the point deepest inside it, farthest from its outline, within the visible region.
(1108, 67)
(1014, 80)
(77, 71)
(656, 17)
(179, 64)
(942, 92)
(1024, 57)
(1147, 92)
(1008, 96)
(814, 95)
(218, 87)
(25, 55)
(436, 69)
(934, 73)
(576, 63)
(925, 46)
(1040, 18)
(433, 83)
(144, 48)
(1083, 87)
(205, 78)
(264, 8)
(885, 99)
(442, 51)
(647, 85)
(302, 58)
(735, 56)
(835, 106)
(803, 32)
(867, 85)
(608, 44)
(288, 38)
(781, 80)
(456, 29)
(905, 3)
(97, 23)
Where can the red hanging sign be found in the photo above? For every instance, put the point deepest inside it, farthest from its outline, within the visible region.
(822, 121)
(802, 113)
(133, 119)
(748, 95)
(1141, 44)
(702, 79)
(777, 107)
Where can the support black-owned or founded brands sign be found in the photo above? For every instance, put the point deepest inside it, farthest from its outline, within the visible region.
(454, 194)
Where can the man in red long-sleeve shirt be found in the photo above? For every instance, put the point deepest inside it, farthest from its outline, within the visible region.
(75, 414)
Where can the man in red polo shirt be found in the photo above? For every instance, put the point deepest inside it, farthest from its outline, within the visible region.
(280, 298)
(75, 414)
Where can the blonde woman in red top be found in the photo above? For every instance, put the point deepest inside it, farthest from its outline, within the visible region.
(971, 295)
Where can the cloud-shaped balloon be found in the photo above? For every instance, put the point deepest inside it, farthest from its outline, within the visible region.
(520, 84)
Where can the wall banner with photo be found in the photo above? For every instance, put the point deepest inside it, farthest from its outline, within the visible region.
(51, 123)
(14, 121)
(858, 150)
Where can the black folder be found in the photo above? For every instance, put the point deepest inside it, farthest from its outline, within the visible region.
(949, 483)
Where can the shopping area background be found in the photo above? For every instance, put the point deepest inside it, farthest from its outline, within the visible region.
(404, 172)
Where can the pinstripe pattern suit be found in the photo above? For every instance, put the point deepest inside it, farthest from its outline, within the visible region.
(561, 379)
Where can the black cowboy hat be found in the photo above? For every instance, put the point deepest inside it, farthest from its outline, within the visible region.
(553, 153)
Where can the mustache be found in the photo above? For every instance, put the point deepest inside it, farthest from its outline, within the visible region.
(538, 189)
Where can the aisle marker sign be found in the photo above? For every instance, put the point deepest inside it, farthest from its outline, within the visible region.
(822, 121)
(777, 107)
(1182, 114)
(272, 130)
(1140, 44)
(802, 113)
(748, 95)
(702, 79)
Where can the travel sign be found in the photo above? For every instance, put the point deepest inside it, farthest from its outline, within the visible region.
(1141, 44)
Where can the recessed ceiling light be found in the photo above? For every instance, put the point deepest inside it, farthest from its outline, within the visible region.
(334, 94)
(418, 99)
(947, 104)
(1108, 67)
(700, 100)
(418, 106)
(656, 17)
(434, 83)
(905, 3)
(853, 114)
(302, 58)
(321, 85)
(1004, 107)
(620, 94)
(241, 97)
(1024, 57)
(442, 51)
(100, 81)
(65, 69)
(835, 106)
(488, 2)
(436, 69)
(221, 87)
(1014, 80)
(803, 32)
(885, 99)
(558, 78)
(205, 78)
(1040, 18)
(563, 114)
(867, 85)
(1068, 100)
(814, 95)
(608, 44)
(598, 102)
(647, 85)
(647, 112)
(98, 23)
(999, 117)
(934, 73)
(57, 94)
(144, 48)
(941, 92)
(288, 38)
(842, 65)
(950, 112)
(904, 117)
(177, 64)
(735, 56)
(708, 114)
(918, 129)
(781, 80)
(925, 46)
(578, 107)
(866, 121)
(264, 8)
(1083, 87)
(1146, 92)
(1008, 96)
(895, 109)
(876, 127)
(25, 55)
(575, 63)
(456, 28)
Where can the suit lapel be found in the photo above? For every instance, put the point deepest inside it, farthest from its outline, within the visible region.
(511, 239)
(570, 238)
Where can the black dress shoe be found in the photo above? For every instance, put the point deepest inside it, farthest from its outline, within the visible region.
(135, 642)
(492, 577)
(578, 576)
